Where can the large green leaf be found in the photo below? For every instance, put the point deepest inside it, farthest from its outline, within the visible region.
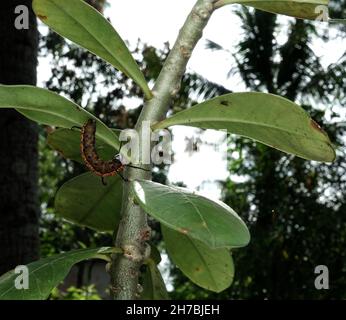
(211, 222)
(82, 24)
(67, 143)
(49, 108)
(86, 201)
(153, 286)
(211, 269)
(45, 274)
(267, 118)
(305, 9)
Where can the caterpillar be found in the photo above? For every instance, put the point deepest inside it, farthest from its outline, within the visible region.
(92, 160)
(90, 157)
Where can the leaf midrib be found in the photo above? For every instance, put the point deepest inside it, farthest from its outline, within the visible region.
(236, 121)
(59, 115)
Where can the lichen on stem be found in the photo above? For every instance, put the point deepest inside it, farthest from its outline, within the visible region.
(125, 267)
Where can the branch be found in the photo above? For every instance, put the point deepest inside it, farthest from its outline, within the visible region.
(133, 230)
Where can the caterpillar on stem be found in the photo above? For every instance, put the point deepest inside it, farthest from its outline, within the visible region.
(100, 167)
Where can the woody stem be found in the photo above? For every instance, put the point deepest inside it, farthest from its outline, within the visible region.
(133, 225)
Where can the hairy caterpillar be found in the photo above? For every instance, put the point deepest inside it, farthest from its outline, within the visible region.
(92, 160)
(90, 157)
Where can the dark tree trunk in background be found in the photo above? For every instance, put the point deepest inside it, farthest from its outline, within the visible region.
(19, 208)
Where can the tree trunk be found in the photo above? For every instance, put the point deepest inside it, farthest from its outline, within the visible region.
(19, 208)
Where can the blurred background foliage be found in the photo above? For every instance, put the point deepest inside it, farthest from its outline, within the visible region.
(295, 209)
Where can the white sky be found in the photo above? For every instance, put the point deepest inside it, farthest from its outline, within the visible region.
(158, 21)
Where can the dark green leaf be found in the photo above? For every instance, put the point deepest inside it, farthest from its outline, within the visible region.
(47, 107)
(82, 24)
(305, 9)
(67, 143)
(211, 222)
(153, 286)
(86, 201)
(45, 275)
(270, 119)
(155, 253)
(211, 269)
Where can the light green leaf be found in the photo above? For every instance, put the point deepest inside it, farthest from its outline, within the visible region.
(153, 285)
(211, 269)
(67, 143)
(84, 200)
(305, 9)
(49, 108)
(212, 222)
(82, 24)
(45, 274)
(270, 119)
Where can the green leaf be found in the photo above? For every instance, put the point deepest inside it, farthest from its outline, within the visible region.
(49, 108)
(45, 274)
(305, 9)
(155, 255)
(153, 286)
(67, 143)
(212, 222)
(270, 119)
(82, 24)
(211, 269)
(84, 200)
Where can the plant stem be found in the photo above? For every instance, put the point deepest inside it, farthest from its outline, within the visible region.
(133, 230)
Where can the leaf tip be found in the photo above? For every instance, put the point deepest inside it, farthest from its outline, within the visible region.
(41, 16)
(317, 127)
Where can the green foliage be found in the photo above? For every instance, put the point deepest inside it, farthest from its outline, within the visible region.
(305, 9)
(85, 26)
(211, 222)
(67, 143)
(45, 274)
(209, 268)
(84, 200)
(46, 107)
(270, 119)
(153, 286)
(206, 228)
